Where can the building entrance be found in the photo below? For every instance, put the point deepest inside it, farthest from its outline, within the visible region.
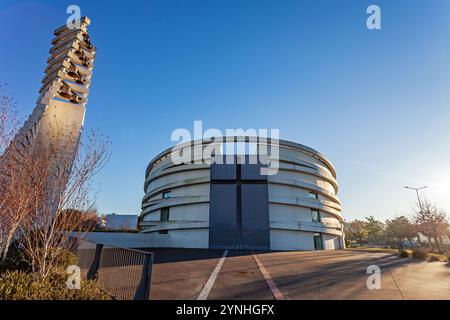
(239, 207)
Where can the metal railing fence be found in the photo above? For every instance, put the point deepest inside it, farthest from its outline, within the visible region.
(123, 273)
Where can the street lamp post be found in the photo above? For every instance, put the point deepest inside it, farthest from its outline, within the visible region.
(420, 204)
(417, 193)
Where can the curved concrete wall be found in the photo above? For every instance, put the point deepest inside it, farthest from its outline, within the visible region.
(306, 181)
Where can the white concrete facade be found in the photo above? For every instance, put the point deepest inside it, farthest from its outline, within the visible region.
(304, 186)
(177, 239)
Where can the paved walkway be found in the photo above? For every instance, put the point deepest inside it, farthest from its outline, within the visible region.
(183, 273)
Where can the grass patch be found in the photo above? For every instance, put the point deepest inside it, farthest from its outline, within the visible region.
(372, 249)
(429, 257)
(437, 257)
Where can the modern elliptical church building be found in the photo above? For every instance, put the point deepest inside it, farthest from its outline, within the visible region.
(234, 206)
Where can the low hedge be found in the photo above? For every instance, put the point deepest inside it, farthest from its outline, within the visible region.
(404, 254)
(420, 253)
(20, 285)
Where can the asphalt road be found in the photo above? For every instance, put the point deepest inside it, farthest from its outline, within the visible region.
(341, 274)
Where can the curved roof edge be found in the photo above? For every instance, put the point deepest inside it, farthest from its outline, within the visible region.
(245, 139)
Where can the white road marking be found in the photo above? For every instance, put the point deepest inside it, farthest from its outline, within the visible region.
(212, 278)
(273, 287)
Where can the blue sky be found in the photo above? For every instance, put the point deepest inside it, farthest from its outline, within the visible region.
(376, 103)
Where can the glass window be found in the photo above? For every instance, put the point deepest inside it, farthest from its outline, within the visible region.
(313, 195)
(318, 245)
(315, 215)
(167, 195)
(165, 214)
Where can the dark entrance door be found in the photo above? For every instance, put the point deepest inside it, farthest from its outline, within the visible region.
(239, 207)
(318, 243)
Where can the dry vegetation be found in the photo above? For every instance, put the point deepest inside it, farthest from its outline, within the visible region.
(45, 191)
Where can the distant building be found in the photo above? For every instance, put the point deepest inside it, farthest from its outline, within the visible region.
(119, 221)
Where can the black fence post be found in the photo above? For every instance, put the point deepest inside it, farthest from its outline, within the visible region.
(92, 274)
(143, 291)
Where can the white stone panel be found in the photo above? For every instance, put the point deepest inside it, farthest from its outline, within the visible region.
(330, 242)
(192, 212)
(282, 213)
(184, 177)
(291, 240)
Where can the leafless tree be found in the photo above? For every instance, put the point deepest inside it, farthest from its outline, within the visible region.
(9, 122)
(88, 221)
(9, 218)
(58, 178)
(41, 184)
(16, 201)
(432, 222)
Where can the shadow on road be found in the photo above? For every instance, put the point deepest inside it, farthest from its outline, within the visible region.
(168, 255)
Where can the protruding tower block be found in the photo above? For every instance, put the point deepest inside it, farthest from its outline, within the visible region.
(61, 105)
(57, 119)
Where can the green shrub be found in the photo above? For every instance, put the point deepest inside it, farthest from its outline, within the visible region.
(20, 285)
(66, 259)
(404, 254)
(16, 285)
(16, 260)
(420, 253)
